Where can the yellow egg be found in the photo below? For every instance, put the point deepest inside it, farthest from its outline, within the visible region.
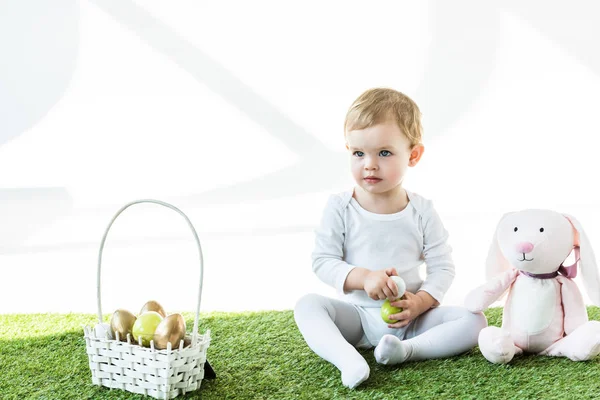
(121, 322)
(145, 326)
(153, 306)
(170, 330)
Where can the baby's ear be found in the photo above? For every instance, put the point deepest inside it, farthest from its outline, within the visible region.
(415, 154)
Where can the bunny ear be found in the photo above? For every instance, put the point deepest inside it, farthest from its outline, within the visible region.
(587, 263)
(496, 263)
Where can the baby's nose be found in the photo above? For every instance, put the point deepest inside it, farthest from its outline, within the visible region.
(524, 247)
(370, 164)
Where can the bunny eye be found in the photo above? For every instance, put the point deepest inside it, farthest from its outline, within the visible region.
(516, 229)
(541, 229)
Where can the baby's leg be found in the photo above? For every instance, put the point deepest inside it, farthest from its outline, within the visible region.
(438, 333)
(582, 344)
(331, 329)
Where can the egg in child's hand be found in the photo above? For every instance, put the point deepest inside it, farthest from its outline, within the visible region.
(145, 326)
(387, 309)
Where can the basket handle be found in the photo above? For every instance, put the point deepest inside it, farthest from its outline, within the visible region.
(162, 203)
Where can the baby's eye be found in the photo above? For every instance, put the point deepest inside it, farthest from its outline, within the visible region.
(358, 153)
(516, 229)
(385, 153)
(541, 229)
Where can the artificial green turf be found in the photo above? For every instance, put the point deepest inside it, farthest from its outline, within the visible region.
(263, 356)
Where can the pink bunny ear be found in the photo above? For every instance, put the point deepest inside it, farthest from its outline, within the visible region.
(571, 271)
(587, 262)
(496, 263)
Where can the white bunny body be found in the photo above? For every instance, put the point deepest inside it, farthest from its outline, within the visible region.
(534, 313)
(544, 311)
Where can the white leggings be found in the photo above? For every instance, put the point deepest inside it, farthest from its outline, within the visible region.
(332, 328)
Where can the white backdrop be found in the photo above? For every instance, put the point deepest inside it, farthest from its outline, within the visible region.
(233, 112)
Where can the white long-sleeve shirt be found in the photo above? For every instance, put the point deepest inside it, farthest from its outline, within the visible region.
(350, 236)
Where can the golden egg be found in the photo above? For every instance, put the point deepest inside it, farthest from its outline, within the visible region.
(121, 322)
(153, 306)
(170, 330)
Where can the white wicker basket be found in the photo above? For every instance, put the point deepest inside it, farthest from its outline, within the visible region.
(162, 374)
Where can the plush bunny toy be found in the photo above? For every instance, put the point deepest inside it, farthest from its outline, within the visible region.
(544, 311)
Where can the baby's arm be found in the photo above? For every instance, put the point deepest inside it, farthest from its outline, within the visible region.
(440, 270)
(377, 284)
(329, 265)
(438, 256)
(327, 256)
(412, 306)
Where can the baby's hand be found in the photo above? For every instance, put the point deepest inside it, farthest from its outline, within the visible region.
(412, 306)
(379, 286)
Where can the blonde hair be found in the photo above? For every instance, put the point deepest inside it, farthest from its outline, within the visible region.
(379, 105)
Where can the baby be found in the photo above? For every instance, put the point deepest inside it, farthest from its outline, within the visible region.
(374, 231)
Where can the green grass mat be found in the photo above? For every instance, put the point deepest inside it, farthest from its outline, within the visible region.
(263, 356)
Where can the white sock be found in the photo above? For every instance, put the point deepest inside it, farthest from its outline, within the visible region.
(325, 323)
(392, 350)
(355, 373)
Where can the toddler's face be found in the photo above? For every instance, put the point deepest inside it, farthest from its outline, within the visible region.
(379, 156)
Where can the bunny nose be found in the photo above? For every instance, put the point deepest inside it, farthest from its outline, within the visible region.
(524, 247)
